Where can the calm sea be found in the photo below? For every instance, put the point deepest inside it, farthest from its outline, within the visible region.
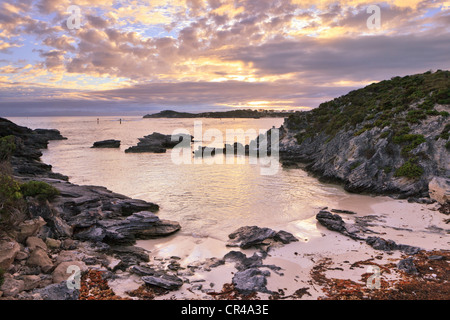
(209, 200)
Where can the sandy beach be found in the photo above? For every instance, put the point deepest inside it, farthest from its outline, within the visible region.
(405, 223)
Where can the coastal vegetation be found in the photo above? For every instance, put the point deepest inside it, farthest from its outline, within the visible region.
(398, 119)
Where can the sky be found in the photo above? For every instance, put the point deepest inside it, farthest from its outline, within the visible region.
(136, 57)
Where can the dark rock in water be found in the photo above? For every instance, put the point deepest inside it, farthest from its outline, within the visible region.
(407, 265)
(343, 211)
(157, 143)
(50, 134)
(107, 144)
(389, 245)
(58, 291)
(243, 262)
(129, 256)
(165, 281)
(140, 225)
(143, 271)
(331, 221)
(251, 280)
(250, 236)
(284, 237)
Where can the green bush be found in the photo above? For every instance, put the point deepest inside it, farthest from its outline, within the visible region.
(410, 170)
(38, 189)
(7, 147)
(355, 165)
(9, 190)
(447, 145)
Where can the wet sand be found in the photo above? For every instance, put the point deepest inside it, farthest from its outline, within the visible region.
(406, 223)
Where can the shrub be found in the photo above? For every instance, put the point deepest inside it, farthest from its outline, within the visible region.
(444, 113)
(12, 205)
(9, 190)
(410, 170)
(38, 189)
(355, 165)
(447, 145)
(7, 147)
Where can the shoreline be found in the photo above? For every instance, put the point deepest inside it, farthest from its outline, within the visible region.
(293, 265)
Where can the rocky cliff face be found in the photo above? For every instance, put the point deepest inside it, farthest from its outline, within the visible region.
(391, 149)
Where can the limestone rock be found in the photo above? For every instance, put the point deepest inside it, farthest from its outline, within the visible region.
(60, 273)
(439, 189)
(40, 258)
(8, 252)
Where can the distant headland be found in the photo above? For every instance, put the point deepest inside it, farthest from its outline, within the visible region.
(247, 113)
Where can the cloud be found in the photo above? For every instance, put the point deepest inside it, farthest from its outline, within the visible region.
(214, 52)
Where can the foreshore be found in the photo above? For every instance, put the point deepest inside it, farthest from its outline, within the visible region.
(96, 229)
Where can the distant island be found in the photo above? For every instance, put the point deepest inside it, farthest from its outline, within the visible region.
(247, 113)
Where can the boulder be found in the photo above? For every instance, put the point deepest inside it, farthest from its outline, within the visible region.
(40, 258)
(407, 265)
(35, 242)
(107, 144)
(58, 291)
(128, 256)
(8, 252)
(156, 143)
(165, 281)
(29, 228)
(251, 280)
(439, 189)
(139, 225)
(60, 273)
(30, 281)
(12, 287)
(284, 237)
(248, 236)
(390, 245)
(53, 243)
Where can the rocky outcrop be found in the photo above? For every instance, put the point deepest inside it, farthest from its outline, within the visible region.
(358, 231)
(251, 280)
(371, 142)
(250, 236)
(9, 249)
(140, 225)
(107, 144)
(82, 225)
(157, 143)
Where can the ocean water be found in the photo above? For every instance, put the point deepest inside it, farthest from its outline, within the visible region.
(209, 200)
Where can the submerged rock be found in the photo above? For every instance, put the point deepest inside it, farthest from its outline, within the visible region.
(107, 144)
(157, 143)
(140, 225)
